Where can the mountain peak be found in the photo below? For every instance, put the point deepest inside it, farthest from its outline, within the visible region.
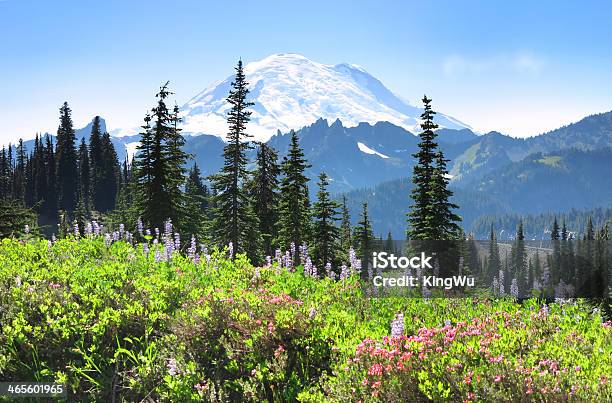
(291, 91)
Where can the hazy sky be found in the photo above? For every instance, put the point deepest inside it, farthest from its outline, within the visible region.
(517, 67)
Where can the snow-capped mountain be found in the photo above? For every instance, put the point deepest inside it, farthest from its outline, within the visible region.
(291, 92)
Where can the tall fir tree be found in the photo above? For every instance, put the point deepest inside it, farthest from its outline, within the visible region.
(346, 241)
(444, 217)
(160, 166)
(19, 173)
(518, 261)
(96, 165)
(431, 217)
(196, 199)
(264, 193)
(494, 262)
(364, 240)
(5, 175)
(49, 209)
(109, 175)
(235, 221)
(294, 205)
(326, 234)
(66, 161)
(84, 183)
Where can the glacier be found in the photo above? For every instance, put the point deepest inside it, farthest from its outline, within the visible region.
(291, 91)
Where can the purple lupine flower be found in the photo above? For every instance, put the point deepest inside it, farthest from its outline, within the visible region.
(95, 228)
(157, 256)
(49, 246)
(121, 230)
(514, 290)
(501, 283)
(177, 241)
(26, 229)
(288, 261)
(231, 249)
(192, 248)
(156, 232)
(76, 229)
(148, 232)
(115, 236)
(292, 247)
(145, 249)
(314, 272)
(196, 259)
(303, 251)
(312, 313)
(139, 226)
(354, 263)
(328, 268)
(344, 272)
(53, 238)
(88, 229)
(169, 248)
(277, 257)
(397, 326)
(168, 227)
(173, 369)
(268, 261)
(307, 267)
(107, 239)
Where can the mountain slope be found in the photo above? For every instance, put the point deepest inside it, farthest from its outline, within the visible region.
(291, 91)
(560, 181)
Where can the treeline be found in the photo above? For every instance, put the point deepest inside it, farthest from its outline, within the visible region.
(539, 226)
(258, 209)
(563, 267)
(58, 183)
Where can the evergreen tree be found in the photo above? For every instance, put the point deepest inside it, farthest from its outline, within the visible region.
(294, 217)
(160, 166)
(96, 164)
(345, 229)
(49, 209)
(431, 216)
(143, 164)
(84, 177)
(196, 196)
(444, 218)
(264, 192)
(19, 174)
(5, 176)
(176, 160)
(108, 176)
(124, 211)
(556, 257)
(234, 217)
(364, 240)
(39, 173)
(14, 218)
(494, 263)
(66, 162)
(325, 232)
(519, 261)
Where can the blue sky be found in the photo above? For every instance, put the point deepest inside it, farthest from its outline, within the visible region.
(517, 67)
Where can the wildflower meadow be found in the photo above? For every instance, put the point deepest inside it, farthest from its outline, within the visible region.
(120, 316)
